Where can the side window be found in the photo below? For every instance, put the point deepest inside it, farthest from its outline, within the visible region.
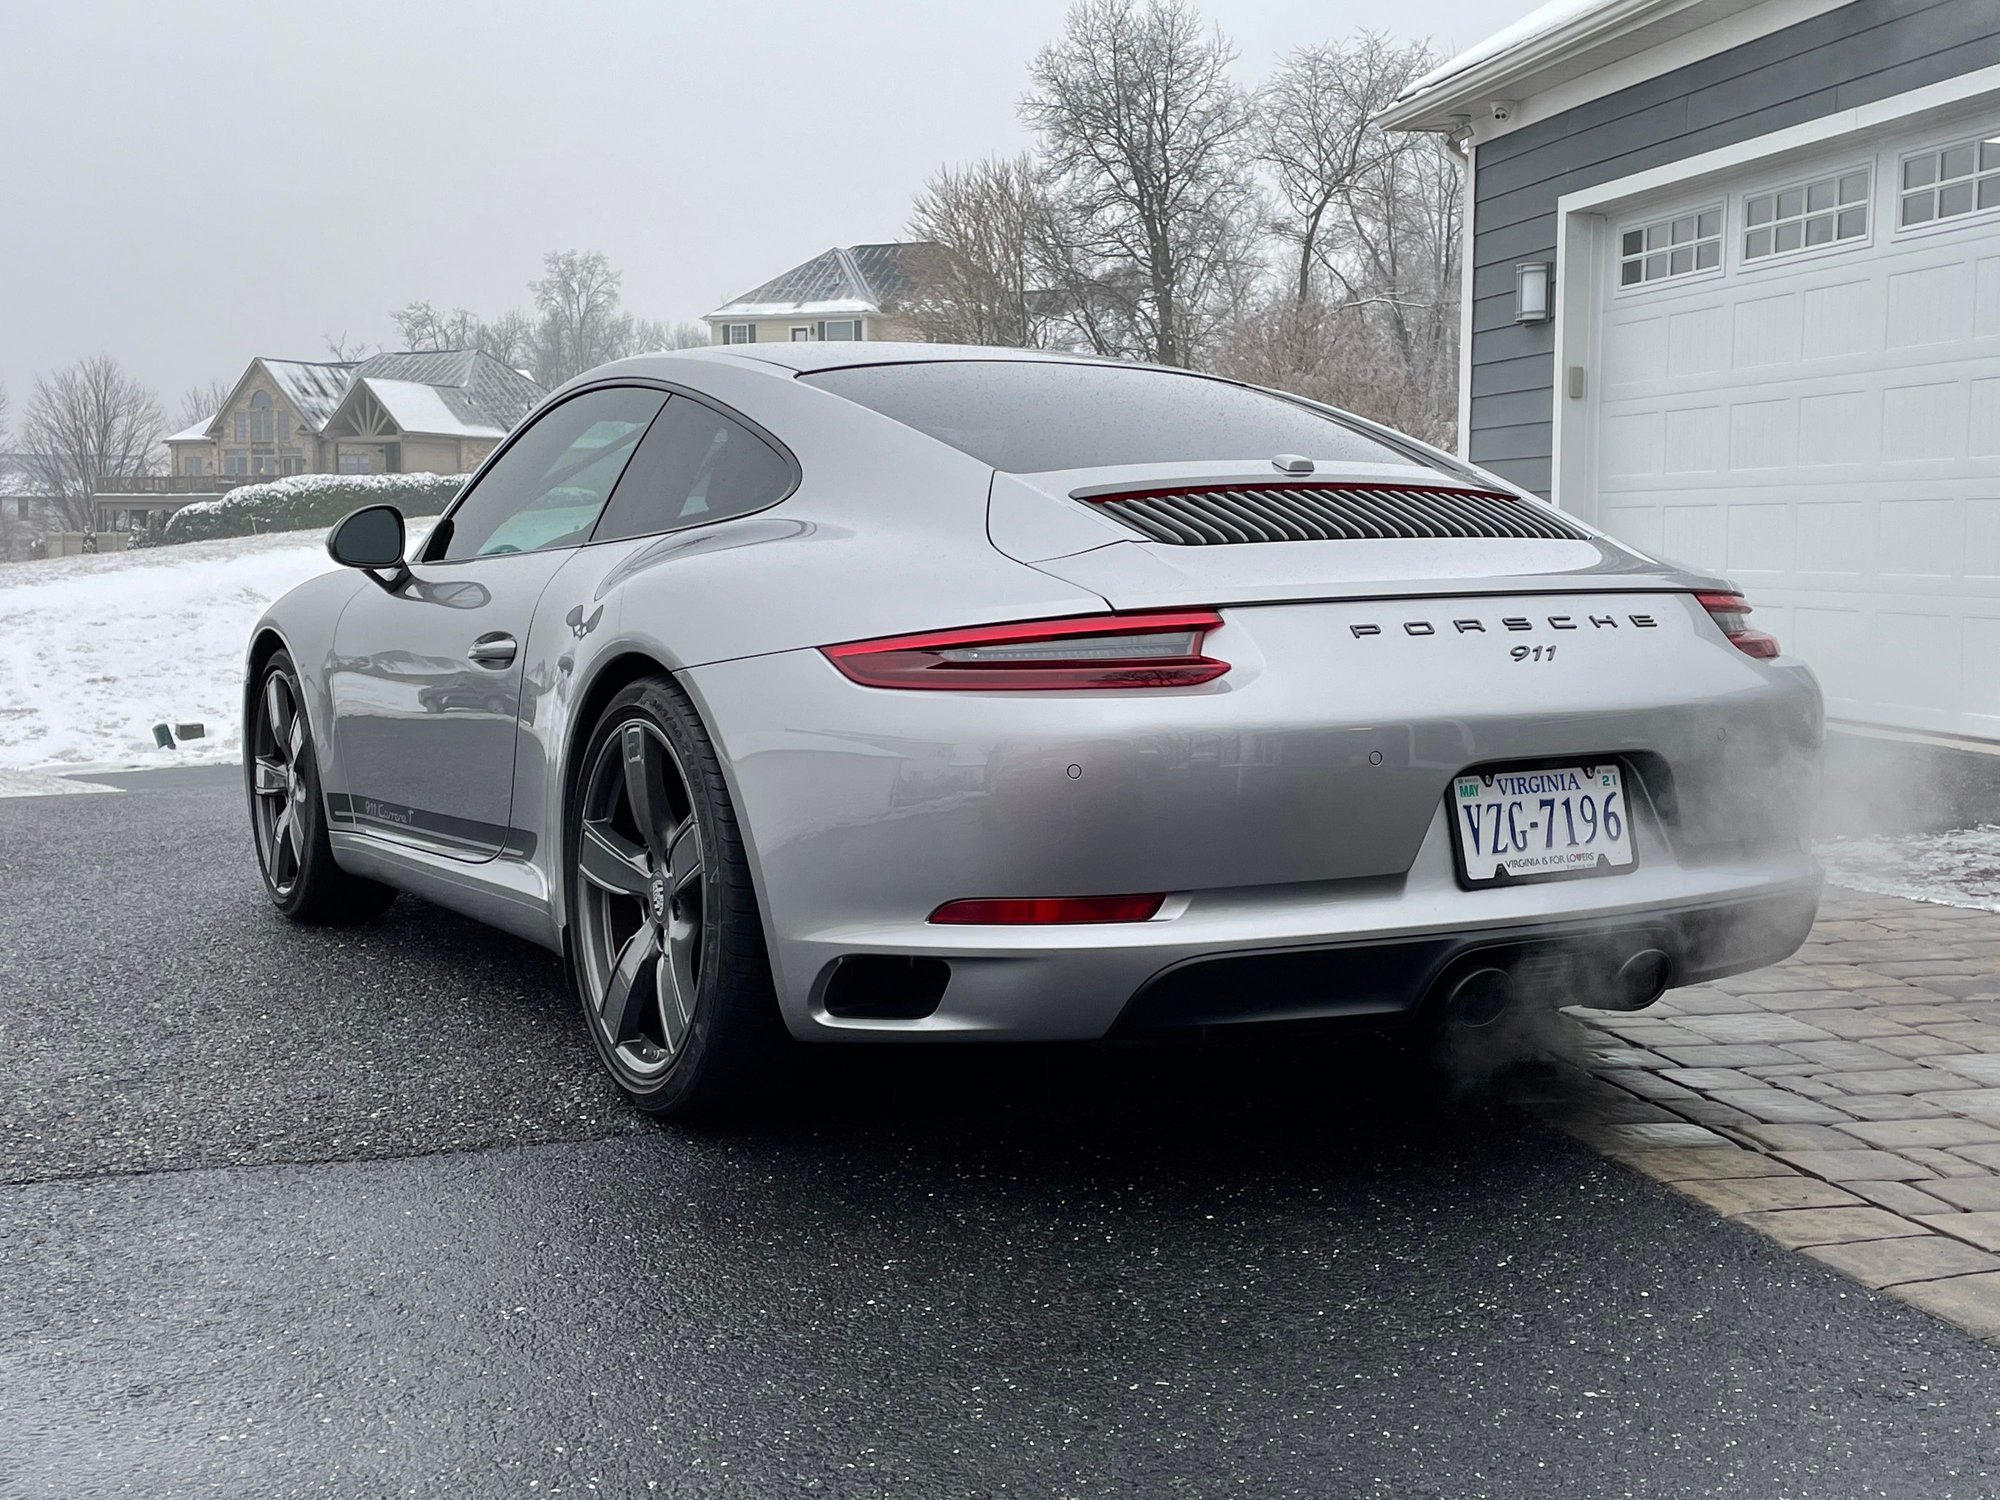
(547, 489)
(695, 465)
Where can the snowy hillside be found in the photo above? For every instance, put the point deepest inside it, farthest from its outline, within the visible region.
(94, 651)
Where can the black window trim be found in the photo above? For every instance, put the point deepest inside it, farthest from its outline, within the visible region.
(623, 382)
(793, 473)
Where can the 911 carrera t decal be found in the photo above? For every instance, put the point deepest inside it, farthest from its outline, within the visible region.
(457, 835)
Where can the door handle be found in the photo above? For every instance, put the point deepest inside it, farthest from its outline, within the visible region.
(495, 650)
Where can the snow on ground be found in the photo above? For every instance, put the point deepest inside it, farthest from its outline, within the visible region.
(1960, 868)
(43, 784)
(94, 651)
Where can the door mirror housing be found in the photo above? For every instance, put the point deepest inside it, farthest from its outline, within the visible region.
(371, 538)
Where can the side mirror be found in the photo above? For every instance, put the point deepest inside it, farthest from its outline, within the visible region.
(371, 538)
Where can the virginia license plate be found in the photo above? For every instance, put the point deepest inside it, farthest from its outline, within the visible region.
(1546, 821)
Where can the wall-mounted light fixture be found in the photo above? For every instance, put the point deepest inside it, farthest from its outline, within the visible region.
(1531, 291)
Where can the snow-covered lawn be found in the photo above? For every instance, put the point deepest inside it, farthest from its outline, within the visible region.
(94, 651)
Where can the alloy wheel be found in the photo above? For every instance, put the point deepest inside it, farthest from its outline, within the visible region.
(278, 779)
(640, 899)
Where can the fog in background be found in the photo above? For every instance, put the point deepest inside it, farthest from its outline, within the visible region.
(190, 184)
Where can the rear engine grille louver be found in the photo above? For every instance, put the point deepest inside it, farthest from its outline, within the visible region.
(1332, 513)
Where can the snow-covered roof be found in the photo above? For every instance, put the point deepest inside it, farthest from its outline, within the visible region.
(1537, 22)
(1557, 41)
(442, 392)
(420, 408)
(839, 282)
(195, 434)
(478, 388)
(312, 387)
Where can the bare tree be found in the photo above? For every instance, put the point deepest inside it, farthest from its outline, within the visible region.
(1373, 223)
(1316, 132)
(578, 323)
(581, 322)
(653, 336)
(347, 351)
(509, 338)
(200, 402)
(423, 327)
(983, 287)
(1145, 141)
(84, 421)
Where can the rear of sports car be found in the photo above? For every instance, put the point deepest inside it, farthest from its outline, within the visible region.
(1348, 736)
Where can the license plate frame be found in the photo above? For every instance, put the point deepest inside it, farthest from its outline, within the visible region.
(1583, 765)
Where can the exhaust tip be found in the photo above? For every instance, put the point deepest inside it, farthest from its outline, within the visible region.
(1641, 979)
(1479, 998)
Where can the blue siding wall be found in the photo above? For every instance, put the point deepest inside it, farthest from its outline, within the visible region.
(1857, 54)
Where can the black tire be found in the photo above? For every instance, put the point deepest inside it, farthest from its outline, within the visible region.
(703, 1037)
(288, 809)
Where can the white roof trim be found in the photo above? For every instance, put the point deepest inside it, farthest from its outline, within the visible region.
(1550, 46)
(1761, 19)
(195, 434)
(839, 307)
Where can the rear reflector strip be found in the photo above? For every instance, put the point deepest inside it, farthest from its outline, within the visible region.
(1332, 513)
(1051, 911)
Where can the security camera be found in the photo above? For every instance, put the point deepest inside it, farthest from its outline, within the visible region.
(1503, 110)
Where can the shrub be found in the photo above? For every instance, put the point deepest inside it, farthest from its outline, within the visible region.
(302, 501)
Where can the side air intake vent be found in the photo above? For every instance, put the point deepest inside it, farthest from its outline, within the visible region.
(1332, 513)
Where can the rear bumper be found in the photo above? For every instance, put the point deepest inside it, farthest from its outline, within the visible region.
(1319, 954)
(1294, 811)
(1560, 963)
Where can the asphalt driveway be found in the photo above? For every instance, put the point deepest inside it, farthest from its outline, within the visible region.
(311, 1213)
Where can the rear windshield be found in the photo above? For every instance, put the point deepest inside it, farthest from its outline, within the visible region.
(1026, 416)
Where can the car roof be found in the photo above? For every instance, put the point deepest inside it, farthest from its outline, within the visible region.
(835, 354)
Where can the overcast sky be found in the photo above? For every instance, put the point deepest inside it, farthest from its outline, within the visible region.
(187, 184)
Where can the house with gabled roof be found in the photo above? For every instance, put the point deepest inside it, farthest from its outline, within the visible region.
(435, 411)
(856, 292)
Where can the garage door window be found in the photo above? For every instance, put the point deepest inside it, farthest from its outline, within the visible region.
(1805, 216)
(1688, 244)
(1951, 183)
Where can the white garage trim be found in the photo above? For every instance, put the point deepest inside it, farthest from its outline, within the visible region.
(1467, 258)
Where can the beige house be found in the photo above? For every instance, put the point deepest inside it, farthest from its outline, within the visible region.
(424, 412)
(861, 292)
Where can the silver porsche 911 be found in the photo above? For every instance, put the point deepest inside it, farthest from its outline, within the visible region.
(876, 692)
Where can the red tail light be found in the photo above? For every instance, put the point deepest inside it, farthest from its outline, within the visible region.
(1157, 650)
(1731, 611)
(1049, 911)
